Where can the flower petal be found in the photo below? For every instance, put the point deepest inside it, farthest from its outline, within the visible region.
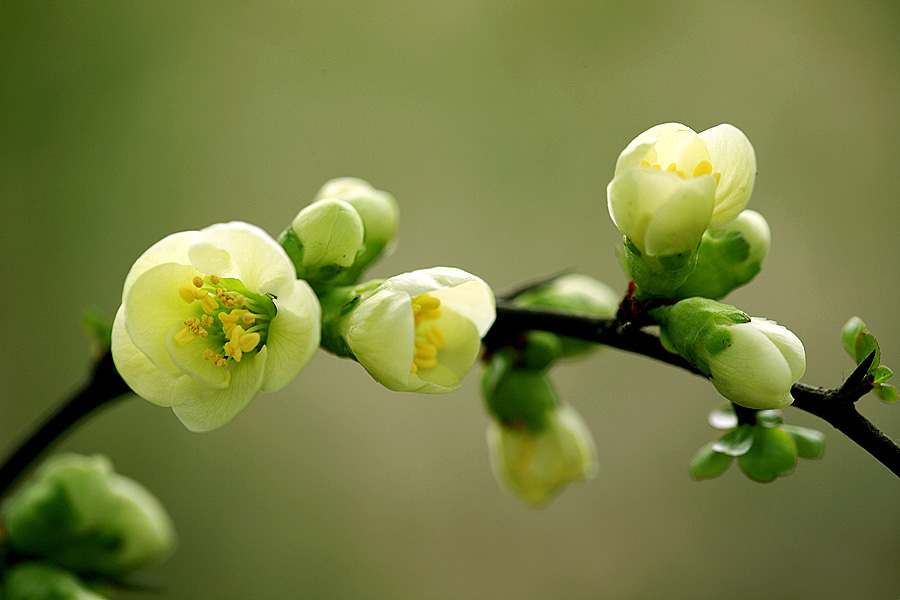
(454, 360)
(788, 344)
(152, 306)
(147, 380)
(170, 249)
(678, 225)
(635, 153)
(381, 333)
(473, 300)
(423, 281)
(246, 252)
(202, 408)
(293, 336)
(732, 155)
(671, 139)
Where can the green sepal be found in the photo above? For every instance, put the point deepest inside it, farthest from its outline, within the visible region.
(810, 442)
(708, 463)
(337, 302)
(887, 393)
(736, 442)
(773, 454)
(294, 249)
(517, 397)
(657, 276)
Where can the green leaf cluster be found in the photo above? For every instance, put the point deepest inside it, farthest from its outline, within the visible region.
(859, 344)
(765, 450)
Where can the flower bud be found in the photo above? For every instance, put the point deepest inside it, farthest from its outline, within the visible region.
(517, 397)
(751, 361)
(728, 258)
(83, 516)
(380, 217)
(324, 239)
(574, 293)
(44, 581)
(416, 332)
(536, 466)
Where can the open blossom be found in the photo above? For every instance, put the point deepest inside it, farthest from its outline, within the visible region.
(537, 466)
(671, 184)
(421, 331)
(210, 318)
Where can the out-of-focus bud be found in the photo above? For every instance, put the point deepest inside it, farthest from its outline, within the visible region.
(324, 239)
(575, 293)
(728, 258)
(535, 466)
(380, 217)
(43, 581)
(83, 516)
(517, 397)
(751, 361)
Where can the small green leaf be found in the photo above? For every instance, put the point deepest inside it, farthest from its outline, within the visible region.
(865, 345)
(736, 442)
(849, 333)
(769, 418)
(887, 393)
(810, 442)
(708, 463)
(723, 417)
(773, 454)
(881, 374)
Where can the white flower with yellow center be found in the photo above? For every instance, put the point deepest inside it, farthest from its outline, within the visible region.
(210, 318)
(671, 184)
(421, 331)
(537, 466)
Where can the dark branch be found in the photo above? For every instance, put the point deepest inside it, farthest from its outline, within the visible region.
(104, 386)
(835, 406)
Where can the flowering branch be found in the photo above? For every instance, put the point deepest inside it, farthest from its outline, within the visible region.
(835, 406)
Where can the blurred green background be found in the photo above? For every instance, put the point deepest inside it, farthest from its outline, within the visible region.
(496, 124)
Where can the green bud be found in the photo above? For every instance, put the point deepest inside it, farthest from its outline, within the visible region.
(80, 514)
(728, 258)
(575, 293)
(43, 581)
(324, 239)
(542, 348)
(751, 361)
(517, 397)
(380, 217)
(535, 466)
(658, 276)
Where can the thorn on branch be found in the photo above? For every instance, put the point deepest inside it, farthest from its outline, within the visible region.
(859, 383)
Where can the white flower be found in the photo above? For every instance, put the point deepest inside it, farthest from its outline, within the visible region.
(421, 331)
(760, 365)
(671, 184)
(537, 466)
(211, 317)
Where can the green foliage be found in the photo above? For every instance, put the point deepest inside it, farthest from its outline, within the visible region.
(859, 344)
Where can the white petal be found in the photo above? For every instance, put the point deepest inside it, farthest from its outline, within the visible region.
(732, 155)
(202, 408)
(245, 252)
(381, 334)
(152, 307)
(678, 225)
(671, 139)
(146, 379)
(170, 249)
(455, 359)
(427, 280)
(788, 344)
(293, 336)
(473, 300)
(635, 153)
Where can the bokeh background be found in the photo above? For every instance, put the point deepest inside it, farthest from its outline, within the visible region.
(496, 124)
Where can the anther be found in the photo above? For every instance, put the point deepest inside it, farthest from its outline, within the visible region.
(184, 337)
(207, 320)
(209, 304)
(214, 279)
(197, 281)
(248, 319)
(704, 167)
(435, 335)
(187, 293)
(208, 354)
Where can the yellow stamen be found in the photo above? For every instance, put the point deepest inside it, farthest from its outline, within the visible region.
(197, 281)
(718, 177)
(235, 335)
(220, 362)
(673, 168)
(214, 279)
(233, 350)
(645, 163)
(426, 350)
(425, 363)
(435, 335)
(209, 304)
(249, 341)
(657, 166)
(207, 354)
(207, 320)
(704, 167)
(184, 337)
(187, 293)
(248, 319)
